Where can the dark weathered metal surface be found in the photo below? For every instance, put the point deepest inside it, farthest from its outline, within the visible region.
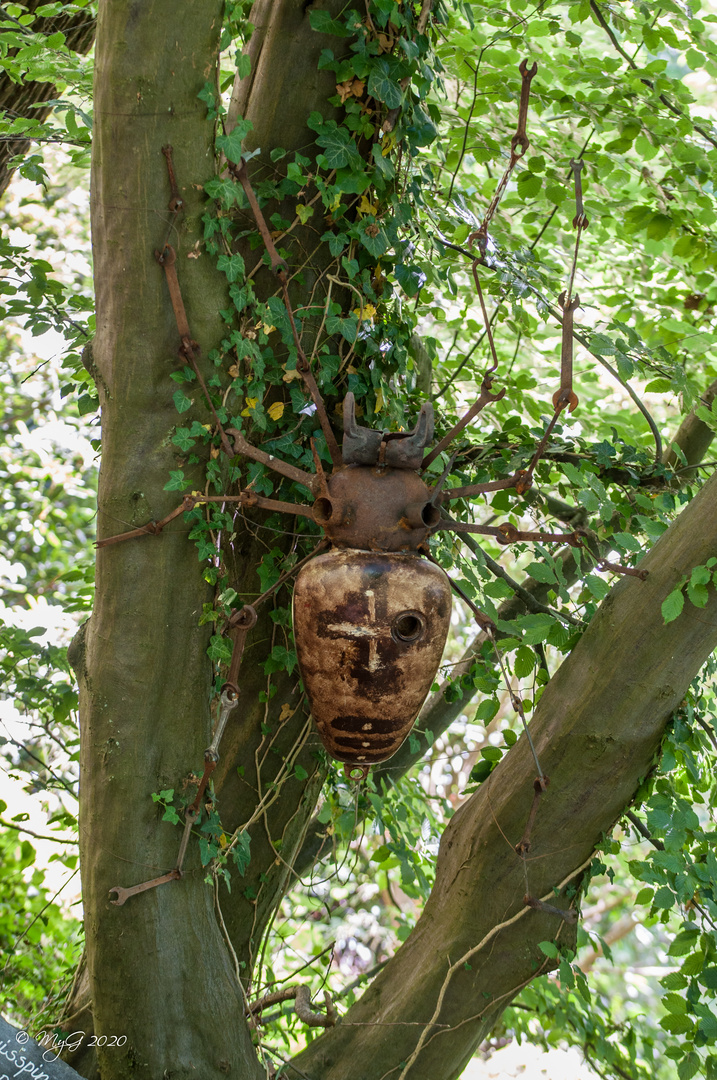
(376, 509)
(372, 446)
(370, 631)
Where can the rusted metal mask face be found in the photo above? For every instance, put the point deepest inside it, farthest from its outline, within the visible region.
(377, 509)
(370, 631)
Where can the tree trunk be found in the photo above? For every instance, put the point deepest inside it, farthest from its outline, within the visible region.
(160, 972)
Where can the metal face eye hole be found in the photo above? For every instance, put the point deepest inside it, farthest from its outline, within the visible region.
(323, 510)
(356, 772)
(408, 626)
(430, 515)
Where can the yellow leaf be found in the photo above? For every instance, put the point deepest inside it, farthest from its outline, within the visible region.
(387, 144)
(267, 328)
(223, 841)
(289, 376)
(234, 371)
(367, 312)
(304, 213)
(276, 411)
(380, 402)
(286, 712)
(367, 207)
(251, 403)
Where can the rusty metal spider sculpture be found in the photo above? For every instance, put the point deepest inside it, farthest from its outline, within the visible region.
(371, 607)
(371, 614)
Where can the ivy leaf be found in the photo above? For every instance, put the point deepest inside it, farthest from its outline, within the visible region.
(322, 23)
(382, 86)
(373, 238)
(240, 852)
(232, 266)
(181, 401)
(335, 143)
(177, 481)
(219, 649)
(183, 439)
(410, 278)
(336, 241)
(230, 145)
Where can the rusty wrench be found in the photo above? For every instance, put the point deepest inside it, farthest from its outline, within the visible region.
(124, 894)
(520, 139)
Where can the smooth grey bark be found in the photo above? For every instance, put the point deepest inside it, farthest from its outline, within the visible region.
(159, 969)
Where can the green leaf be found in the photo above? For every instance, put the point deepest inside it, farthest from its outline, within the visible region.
(659, 227)
(689, 1066)
(87, 403)
(323, 23)
(541, 573)
(529, 185)
(373, 238)
(181, 401)
(382, 86)
(486, 711)
(219, 649)
(177, 481)
(677, 1025)
(336, 241)
(549, 948)
(683, 942)
(674, 981)
(231, 145)
(672, 606)
(243, 64)
(524, 662)
(232, 266)
(693, 964)
(664, 898)
(335, 143)
(240, 852)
